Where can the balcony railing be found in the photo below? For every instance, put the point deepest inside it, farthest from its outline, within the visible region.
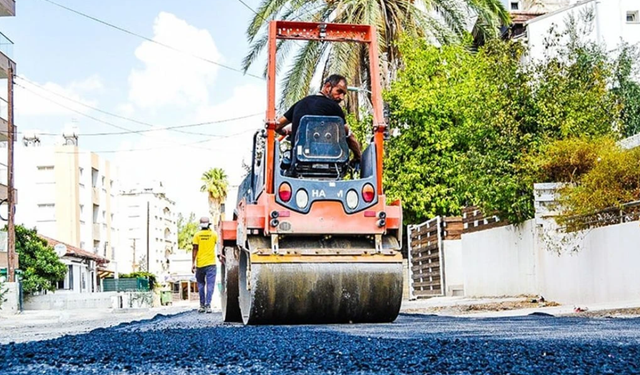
(4, 110)
(3, 174)
(6, 46)
(7, 8)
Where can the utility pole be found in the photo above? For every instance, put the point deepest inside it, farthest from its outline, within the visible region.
(133, 260)
(11, 229)
(148, 270)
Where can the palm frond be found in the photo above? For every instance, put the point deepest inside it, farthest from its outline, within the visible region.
(298, 79)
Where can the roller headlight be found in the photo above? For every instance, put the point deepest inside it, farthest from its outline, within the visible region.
(302, 198)
(352, 199)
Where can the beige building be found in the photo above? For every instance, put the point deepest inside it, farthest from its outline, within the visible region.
(150, 230)
(69, 194)
(7, 71)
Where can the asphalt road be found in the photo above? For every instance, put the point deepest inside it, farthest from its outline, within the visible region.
(415, 344)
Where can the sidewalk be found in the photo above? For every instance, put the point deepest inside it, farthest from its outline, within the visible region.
(514, 306)
(47, 324)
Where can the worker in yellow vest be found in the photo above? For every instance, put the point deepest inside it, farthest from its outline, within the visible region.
(204, 263)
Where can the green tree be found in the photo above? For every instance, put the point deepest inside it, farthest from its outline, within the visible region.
(627, 90)
(187, 228)
(216, 185)
(471, 123)
(42, 269)
(441, 20)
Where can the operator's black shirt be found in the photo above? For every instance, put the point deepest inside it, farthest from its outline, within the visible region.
(317, 105)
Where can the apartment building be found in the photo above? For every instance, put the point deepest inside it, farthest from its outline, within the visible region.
(7, 72)
(535, 6)
(68, 194)
(614, 21)
(522, 11)
(151, 233)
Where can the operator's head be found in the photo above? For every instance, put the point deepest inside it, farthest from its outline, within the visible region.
(204, 222)
(335, 87)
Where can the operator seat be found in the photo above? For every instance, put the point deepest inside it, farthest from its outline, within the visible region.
(320, 148)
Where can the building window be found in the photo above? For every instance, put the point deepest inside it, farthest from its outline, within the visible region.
(46, 212)
(94, 177)
(46, 174)
(515, 5)
(632, 16)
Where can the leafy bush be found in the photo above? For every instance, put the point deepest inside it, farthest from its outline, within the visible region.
(42, 269)
(567, 160)
(613, 181)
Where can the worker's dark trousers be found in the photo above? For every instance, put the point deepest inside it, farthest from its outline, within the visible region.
(206, 275)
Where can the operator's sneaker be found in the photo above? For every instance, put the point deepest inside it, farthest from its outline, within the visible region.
(201, 309)
(207, 309)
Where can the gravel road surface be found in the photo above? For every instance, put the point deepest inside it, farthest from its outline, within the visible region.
(415, 344)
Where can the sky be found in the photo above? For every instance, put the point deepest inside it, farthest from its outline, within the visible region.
(73, 71)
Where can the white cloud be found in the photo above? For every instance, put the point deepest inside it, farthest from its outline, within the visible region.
(168, 77)
(126, 109)
(93, 83)
(40, 99)
(180, 167)
(171, 77)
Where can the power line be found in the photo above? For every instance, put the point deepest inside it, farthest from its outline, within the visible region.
(160, 147)
(76, 111)
(251, 9)
(136, 149)
(151, 40)
(128, 131)
(125, 130)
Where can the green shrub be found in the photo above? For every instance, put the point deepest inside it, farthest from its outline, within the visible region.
(613, 181)
(569, 159)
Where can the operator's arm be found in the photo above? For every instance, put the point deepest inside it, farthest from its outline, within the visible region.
(194, 254)
(353, 143)
(280, 126)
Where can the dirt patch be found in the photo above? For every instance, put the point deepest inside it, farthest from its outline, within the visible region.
(483, 307)
(632, 312)
(504, 306)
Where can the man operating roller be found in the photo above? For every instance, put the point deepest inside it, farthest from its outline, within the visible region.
(325, 103)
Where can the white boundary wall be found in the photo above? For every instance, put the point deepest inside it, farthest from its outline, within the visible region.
(104, 300)
(10, 306)
(514, 260)
(605, 269)
(500, 261)
(453, 267)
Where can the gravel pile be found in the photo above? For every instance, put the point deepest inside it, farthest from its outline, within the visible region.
(194, 343)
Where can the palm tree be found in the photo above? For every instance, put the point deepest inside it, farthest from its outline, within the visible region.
(442, 21)
(216, 185)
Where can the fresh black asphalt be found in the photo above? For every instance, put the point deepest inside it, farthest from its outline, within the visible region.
(192, 343)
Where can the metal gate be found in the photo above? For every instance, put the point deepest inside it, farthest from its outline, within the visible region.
(426, 262)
